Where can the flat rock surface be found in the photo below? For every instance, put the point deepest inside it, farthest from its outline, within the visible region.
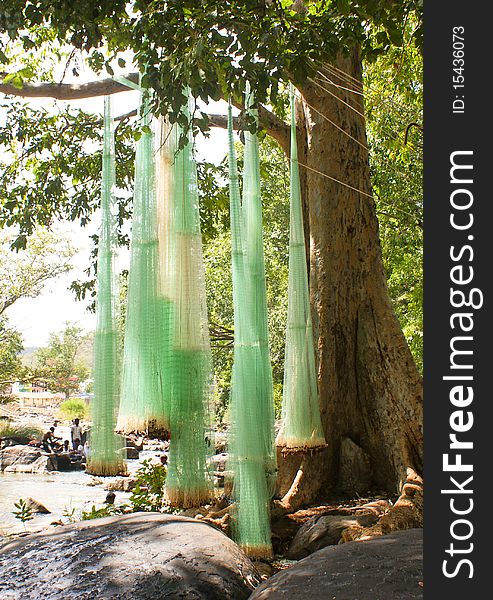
(141, 556)
(385, 568)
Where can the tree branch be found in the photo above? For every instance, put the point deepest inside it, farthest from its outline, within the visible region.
(274, 126)
(68, 91)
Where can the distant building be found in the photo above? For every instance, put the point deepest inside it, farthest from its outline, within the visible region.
(35, 395)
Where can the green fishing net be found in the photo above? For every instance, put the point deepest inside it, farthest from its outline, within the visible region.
(301, 427)
(143, 403)
(105, 457)
(188, 481)
(253, 460)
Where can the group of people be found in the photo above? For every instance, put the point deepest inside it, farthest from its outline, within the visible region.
(54, 445)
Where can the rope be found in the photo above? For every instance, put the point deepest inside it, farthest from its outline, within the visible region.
(337, 97)
(341, 87)
(300, 97)
(336, 180)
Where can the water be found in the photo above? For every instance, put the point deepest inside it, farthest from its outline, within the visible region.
(58, 491)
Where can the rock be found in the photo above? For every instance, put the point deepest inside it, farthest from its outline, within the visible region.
(26, 459)
(37, 507)
(131, 452)
(136, 442)
(219, 461)
(406, 513)
(121, 484)
(264, 569)
(324, 531)
(220, 441)
(140, 556)
(110, 498)
(93, 481)
(354, 472)
(386, 568)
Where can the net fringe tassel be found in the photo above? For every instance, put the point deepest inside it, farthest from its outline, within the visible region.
(102, 468)
(180, 498)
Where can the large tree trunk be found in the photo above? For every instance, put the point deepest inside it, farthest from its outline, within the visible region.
(370, 388)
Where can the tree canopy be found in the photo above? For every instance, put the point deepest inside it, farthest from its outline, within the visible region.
(59, 362)
(210, 47)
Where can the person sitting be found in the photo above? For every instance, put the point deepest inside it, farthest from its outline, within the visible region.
(65, 448)
(48, 440)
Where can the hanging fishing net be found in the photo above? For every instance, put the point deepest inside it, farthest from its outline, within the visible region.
(252, 441)
(105, 456)
(301, 427)
(188, 481)
(142, 404)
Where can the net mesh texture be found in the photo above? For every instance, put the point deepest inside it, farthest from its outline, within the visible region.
(188, 481)
(143, 403)
(301, 428)
(105, 456)
(252, 462)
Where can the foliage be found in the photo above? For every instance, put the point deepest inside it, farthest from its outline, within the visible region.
(214, 47)
(147, 494)
(24, 512)
(105, 511)
(50, 166)
(73, 408)
(394, 123)
(23, 274)
(21, 431)
(11, 346)
(59, 361)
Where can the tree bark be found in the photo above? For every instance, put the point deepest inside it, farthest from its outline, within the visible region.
(370, 388)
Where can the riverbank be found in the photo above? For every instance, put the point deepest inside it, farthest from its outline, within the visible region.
(62, 493)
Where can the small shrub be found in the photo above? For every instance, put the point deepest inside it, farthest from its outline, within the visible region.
(24, 512)
(105, 511)
(8, 430)
(147, 494)
(73, 408)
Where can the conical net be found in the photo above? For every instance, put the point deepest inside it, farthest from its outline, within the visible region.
(142, 404)
(188, 482)
(301, 428)
(105, 456)
(252, 442)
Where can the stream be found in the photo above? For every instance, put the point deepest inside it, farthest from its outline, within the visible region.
(59, 491)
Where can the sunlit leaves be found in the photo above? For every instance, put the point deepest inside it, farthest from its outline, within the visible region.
(393, 101)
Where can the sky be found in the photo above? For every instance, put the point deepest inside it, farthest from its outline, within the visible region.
(37, 317)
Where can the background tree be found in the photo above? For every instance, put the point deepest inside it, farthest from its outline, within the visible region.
(394, 109)
(370, 388)
(23, 274)
(11, 368)
(59, 362)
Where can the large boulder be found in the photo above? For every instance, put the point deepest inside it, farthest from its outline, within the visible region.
(26, 459)
(385, 568)
(140, 556)
(324, 531)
